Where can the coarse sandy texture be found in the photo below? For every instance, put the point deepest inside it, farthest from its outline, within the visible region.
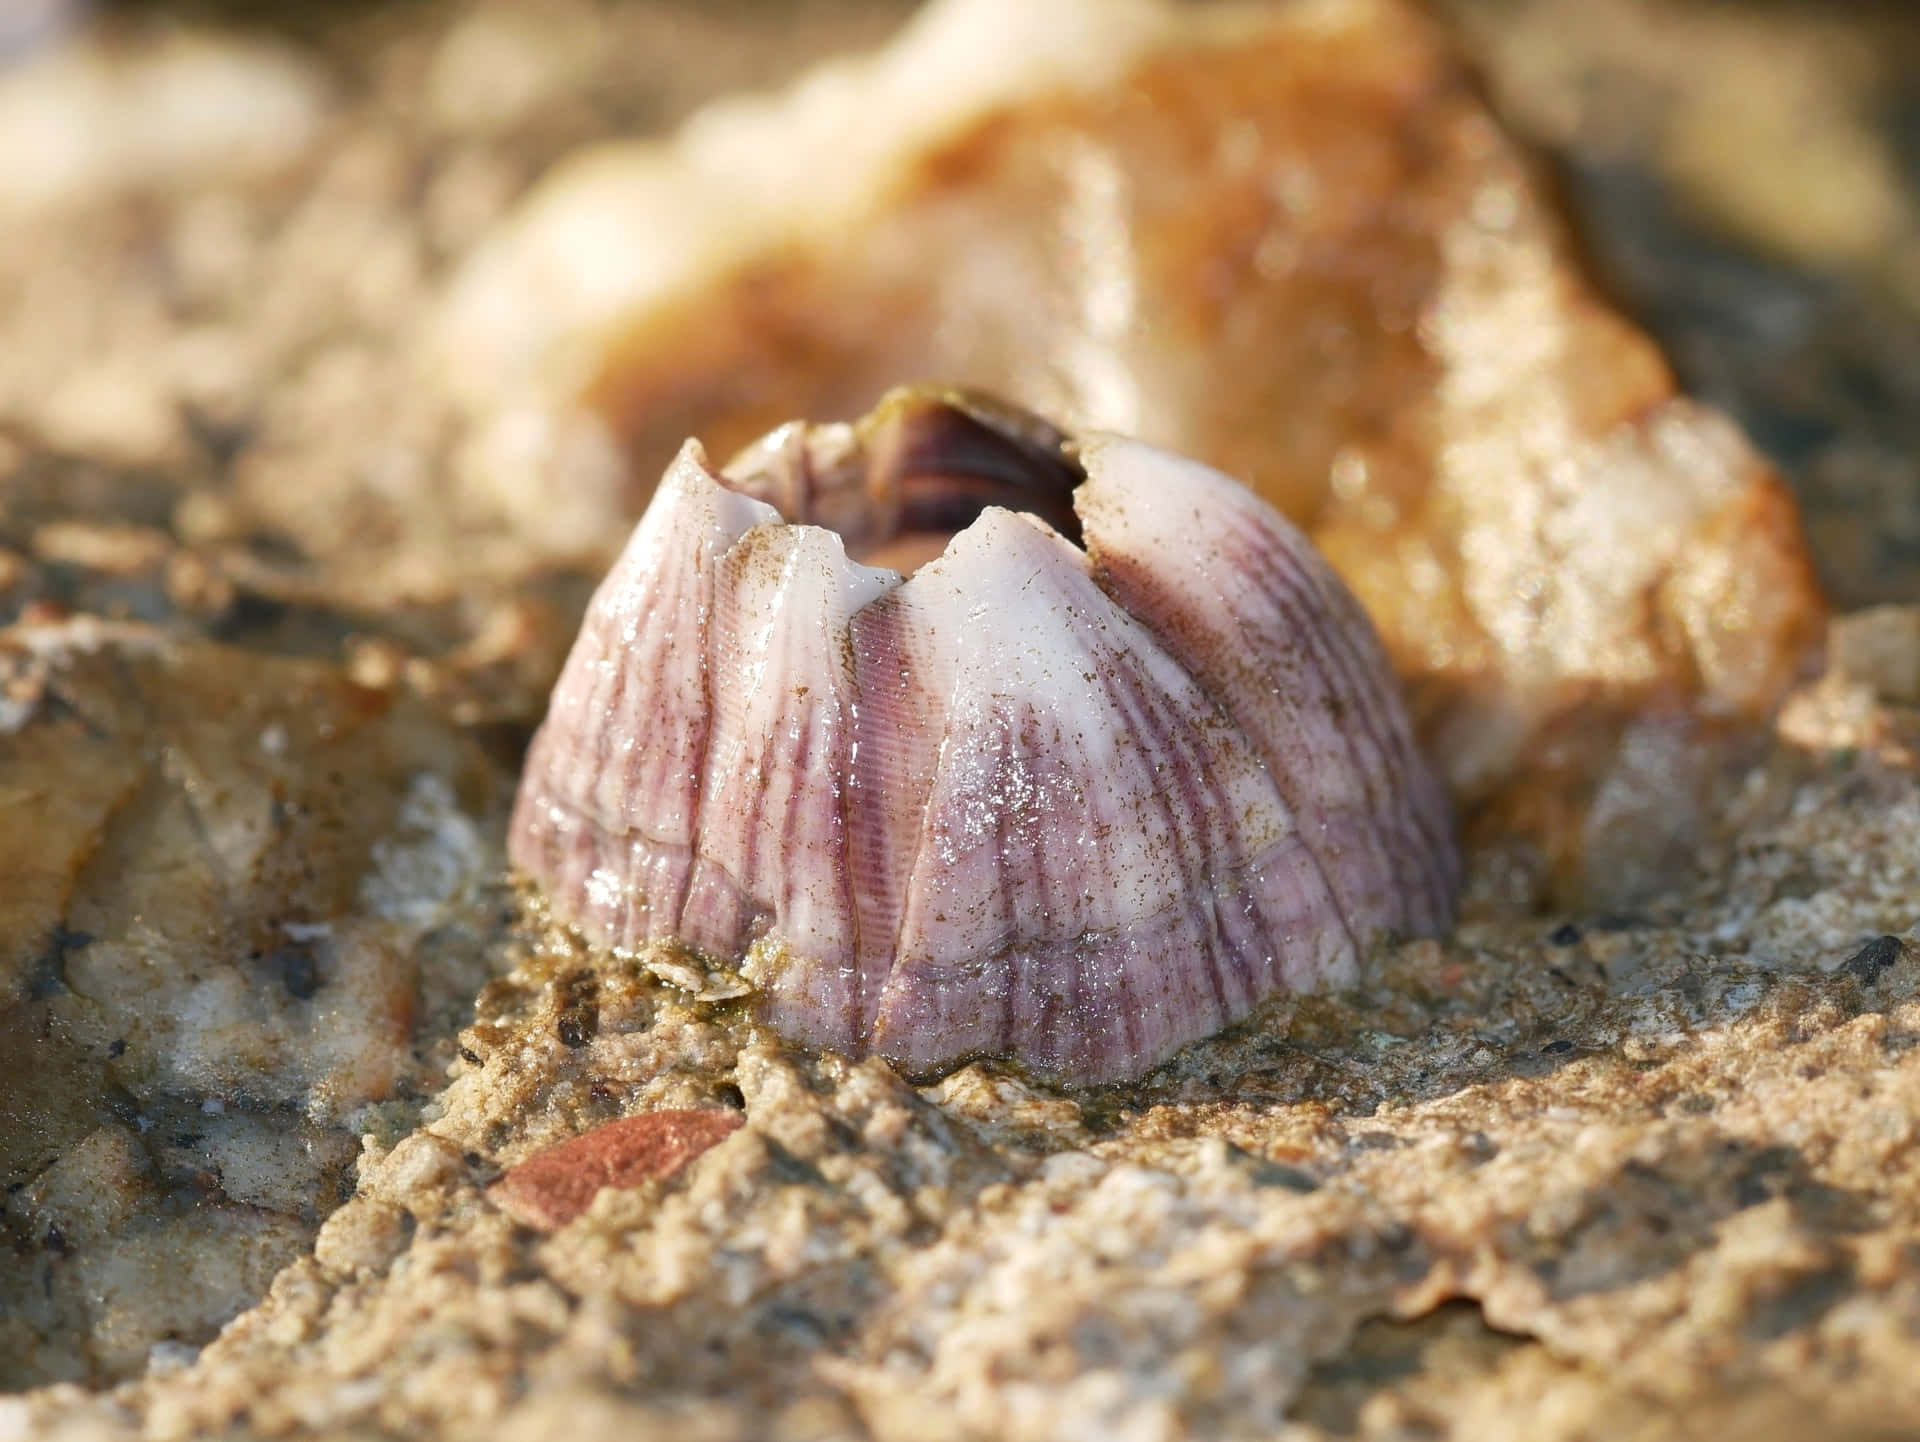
(1669, 1159)
(1645, 1171)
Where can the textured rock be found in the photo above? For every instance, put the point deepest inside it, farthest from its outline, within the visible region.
(1641, 1173)
(235, 893)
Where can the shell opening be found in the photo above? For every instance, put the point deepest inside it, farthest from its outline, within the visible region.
(901, 482)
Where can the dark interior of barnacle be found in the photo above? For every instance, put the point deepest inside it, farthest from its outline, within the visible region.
(951, 454)
(1581, 336)
(915, 471)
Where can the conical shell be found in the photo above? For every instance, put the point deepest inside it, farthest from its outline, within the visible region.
(1072, 807)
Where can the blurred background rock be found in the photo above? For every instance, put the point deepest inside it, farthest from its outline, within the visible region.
(217, 213)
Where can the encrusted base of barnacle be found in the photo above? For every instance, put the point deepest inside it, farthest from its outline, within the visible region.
(1120, 760)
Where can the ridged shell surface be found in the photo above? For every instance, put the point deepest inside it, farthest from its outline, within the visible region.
(1071, 805)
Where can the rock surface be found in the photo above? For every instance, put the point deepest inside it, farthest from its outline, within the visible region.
(1643, 1169)
(1639, 1173)
(240, 899)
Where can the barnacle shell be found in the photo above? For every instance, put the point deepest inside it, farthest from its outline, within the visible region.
(1072, 806)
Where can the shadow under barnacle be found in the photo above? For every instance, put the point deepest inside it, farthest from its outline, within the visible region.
(1402, 1360)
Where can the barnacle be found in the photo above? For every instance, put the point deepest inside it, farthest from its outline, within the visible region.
(1119, 762)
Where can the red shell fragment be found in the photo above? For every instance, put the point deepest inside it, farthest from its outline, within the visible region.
(550, 1189)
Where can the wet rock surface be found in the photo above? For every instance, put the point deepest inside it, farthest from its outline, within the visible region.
(274, 1031)
(245, 903)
